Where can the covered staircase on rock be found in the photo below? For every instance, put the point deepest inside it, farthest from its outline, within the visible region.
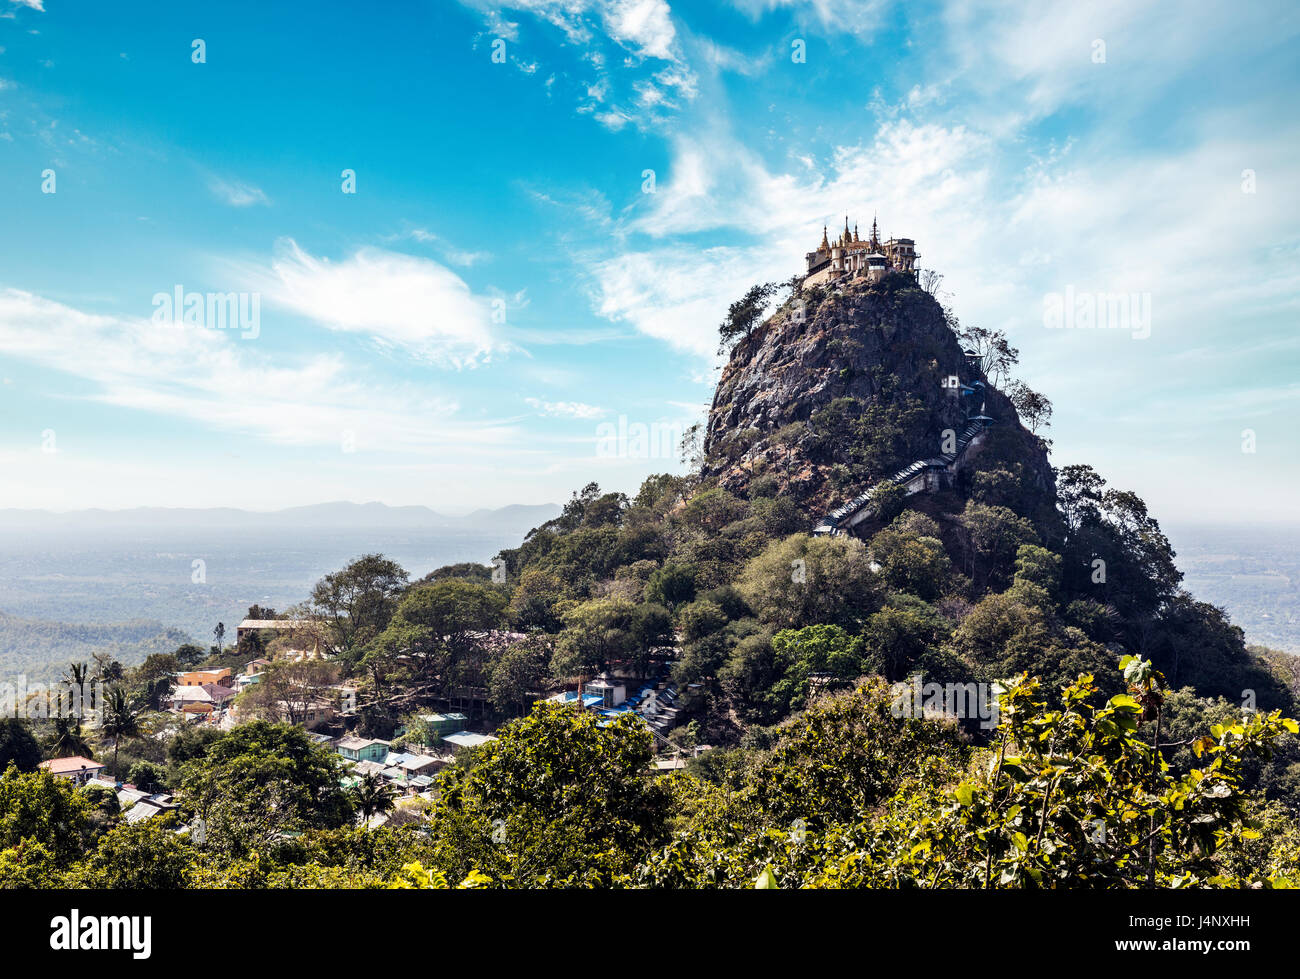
(923, 476)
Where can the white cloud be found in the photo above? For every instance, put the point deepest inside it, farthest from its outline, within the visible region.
(218, 381)
(675, 294)
(400, 300)
(642, 33)
(565, 409)
(236, 193)
(859, 17)
(676, 291)
(723, 58)
(457, 256)
(645, 26)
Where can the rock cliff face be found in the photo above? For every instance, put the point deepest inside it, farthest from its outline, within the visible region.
(838, 390)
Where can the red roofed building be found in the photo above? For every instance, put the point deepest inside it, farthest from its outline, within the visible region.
(80, 770)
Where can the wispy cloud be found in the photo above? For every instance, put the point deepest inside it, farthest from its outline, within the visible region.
(565, 409)
(457, 256)
(236, 193)
(219, 382)
(399, 300)
(642, 33)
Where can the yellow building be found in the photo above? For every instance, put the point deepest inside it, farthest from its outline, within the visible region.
(198, 678)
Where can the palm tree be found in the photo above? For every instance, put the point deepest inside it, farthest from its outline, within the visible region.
(69, 736)
(67, 740)
(372, 796)
(120, 718)
(77, 673)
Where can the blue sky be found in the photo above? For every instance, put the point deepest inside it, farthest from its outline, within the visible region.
(501, 283)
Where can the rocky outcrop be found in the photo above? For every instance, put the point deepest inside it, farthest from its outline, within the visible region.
(838, 390)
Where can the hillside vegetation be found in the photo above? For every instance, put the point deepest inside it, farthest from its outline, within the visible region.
(1136, 741)
(40, 650)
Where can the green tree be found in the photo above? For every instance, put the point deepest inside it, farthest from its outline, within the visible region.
(358, 602)
(258, 781)
(803, 580)
(66, 740)
(911, 556)
(1073, 793)
(372, 796)
(651, 629)
(290, 691)
(518, 673)
(672, 585)
(189, 655)
(440, 630)
(154, 677)
(1034, 409)
(747, 312)
(596, 633)
(815, 658)
(995, 535)
(18, 745)
(147, 776)
(120, 718)
(43, 809)
(558, 799)
(141, 856)
(536, 599)
(1040, 567)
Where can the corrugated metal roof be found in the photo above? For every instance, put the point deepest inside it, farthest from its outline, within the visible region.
(140, 812)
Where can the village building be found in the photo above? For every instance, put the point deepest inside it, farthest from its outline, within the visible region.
(363, 749)
(208, 697)
(199, 678)
(467, 739)
(412, 765)
(77, 769)
(444, 724)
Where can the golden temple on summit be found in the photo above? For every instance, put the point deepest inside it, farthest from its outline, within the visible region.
(850, 255)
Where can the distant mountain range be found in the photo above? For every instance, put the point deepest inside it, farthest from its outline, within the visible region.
(514, 519)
